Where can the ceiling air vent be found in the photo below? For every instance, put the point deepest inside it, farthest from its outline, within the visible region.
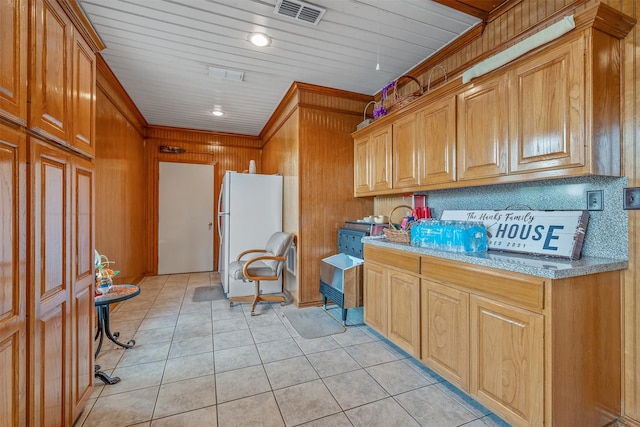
(300, 11)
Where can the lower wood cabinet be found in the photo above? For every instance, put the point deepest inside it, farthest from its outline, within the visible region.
(535, 351)
(507, 354)
(445, 331)
(60, 308)
(404, 310)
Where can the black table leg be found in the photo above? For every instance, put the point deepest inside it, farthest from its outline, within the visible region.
(104, 377)
(344, 317)
(104, 313)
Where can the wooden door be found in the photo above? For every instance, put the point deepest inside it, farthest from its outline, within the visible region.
(548, 110)
(84, 96)
(50, 109)
(13, 280)
(437, 142)
(482, 119)
(381, 141)
(507, 353)
(13, 61)
(49, 302)
(375, 297)
(405, 153)
(404, 311)
(362, 166)
(82, 276)
(445, 331)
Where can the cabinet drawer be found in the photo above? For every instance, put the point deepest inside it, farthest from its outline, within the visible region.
(403, 260)
(514, 288)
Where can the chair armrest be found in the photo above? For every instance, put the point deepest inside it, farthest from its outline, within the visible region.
(249, 252)
(261, 258)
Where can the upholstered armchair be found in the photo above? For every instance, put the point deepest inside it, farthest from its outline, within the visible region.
(256, 265)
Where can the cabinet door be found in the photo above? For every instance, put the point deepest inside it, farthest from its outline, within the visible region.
(362, 166)
(13, 61)
(483, 114)
(437, 142)
(49, 311)
(547, 116)
(507, 360)
(445, 332)
(405, 153)
(375, 297)
(82, 269)
(13, 280)
(404, 310)
(381, 159)
(84, 96)
(50, 109)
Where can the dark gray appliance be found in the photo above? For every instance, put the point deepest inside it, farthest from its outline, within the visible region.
(341, 274)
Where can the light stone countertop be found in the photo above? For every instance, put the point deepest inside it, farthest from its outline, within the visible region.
(541, 266)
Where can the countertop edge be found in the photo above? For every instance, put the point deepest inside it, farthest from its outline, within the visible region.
(547, 267)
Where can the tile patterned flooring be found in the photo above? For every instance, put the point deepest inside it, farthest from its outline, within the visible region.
(208, 364)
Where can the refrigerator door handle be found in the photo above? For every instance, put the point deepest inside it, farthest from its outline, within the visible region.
(220, 213)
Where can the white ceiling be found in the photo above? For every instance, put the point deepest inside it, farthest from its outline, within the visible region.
(160, 51)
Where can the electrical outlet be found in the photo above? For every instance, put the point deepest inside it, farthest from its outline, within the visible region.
(595, 200)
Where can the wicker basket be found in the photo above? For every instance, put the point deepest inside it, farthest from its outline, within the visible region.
(400, 101)
(393, 233)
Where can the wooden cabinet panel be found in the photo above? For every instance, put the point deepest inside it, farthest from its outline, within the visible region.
(404, 310)
(482, 119)
(82, 268)
(548, 106)
(50, 293)
(84, 96)
(375, 297)
(507, 354)
(405, 153)
(437, 142)
(381, 165)
(445, 331)
(362, 166)
(13, 281)
(13, 61)
(49, 111)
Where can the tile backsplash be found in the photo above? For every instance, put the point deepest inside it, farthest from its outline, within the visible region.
(607, 232)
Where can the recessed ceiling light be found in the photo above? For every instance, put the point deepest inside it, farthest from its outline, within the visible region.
(217, 113)
(259, 39)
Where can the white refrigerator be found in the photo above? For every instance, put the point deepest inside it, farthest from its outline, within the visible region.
(249, 212)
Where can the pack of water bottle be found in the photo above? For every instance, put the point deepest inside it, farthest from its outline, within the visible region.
(451, 236)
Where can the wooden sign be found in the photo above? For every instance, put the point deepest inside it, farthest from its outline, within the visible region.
(555, 233)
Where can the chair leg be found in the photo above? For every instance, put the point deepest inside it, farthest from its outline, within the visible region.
(256, 299)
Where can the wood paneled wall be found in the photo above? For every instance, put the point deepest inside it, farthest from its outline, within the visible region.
(308, 141)
(120, 181)
(631, 169)
(224, 151)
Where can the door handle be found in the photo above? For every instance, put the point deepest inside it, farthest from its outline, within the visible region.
(210, 225)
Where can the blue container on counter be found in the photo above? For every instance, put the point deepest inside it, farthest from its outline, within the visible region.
(451, 236)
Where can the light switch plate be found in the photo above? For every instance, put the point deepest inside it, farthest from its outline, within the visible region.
(594, 200)
(631, 199)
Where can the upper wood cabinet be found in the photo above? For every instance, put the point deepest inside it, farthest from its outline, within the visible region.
(547, 115)
(437, 141)
(482, 140)
(50, 91)
(372, 165)
(63, 73)
(13, 61)
(406, 152)
(84, 96)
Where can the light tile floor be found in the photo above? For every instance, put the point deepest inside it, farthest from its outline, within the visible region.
(208, 364)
